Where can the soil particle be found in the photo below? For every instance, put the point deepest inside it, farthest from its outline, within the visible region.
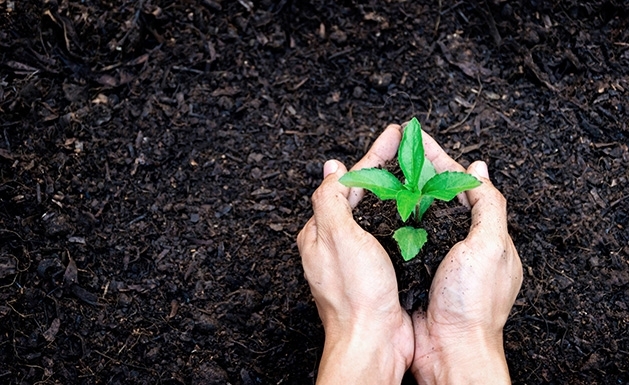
(171, 151)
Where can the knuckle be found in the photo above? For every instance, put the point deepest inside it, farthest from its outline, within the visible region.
(374, 157)
(500, 199)
(318, 198)
(493, 249)
(301, 235)
(318, 195)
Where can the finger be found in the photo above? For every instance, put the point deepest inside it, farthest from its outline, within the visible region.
(489, 207)
(442, 161)
(383, 149)
(330, 167)
(306, 243)
(438, 157)
(307, 235)
(329, 202)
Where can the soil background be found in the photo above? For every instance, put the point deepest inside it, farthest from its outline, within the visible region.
(157, 160)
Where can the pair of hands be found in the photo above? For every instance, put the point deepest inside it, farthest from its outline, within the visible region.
(370, 338)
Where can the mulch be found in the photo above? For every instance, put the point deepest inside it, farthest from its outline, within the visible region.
(157, 161)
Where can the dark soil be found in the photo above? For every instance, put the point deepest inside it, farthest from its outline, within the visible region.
(157, 159)
(446, 224)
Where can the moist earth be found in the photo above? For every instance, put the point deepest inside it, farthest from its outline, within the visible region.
(157, 160)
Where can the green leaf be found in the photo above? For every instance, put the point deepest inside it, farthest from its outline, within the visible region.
(411, 153)
(406, 201)
(380, 182)
(447, 185)
(424, 204)
(410, 240)
(428, 171)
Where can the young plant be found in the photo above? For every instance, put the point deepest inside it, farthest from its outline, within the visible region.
(421, 187)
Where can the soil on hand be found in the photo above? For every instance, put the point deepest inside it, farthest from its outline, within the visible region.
(157, 161)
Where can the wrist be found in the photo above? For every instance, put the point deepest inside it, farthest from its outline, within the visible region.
(364, 356)
(359, 360)
(473, 360)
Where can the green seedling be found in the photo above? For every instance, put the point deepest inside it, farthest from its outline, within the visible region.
(421, 187)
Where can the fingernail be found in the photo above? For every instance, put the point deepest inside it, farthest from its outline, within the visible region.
(330, 167)
(481, 169)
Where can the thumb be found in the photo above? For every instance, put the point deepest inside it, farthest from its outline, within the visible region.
(330, 167)
(479, 169)
(329, 202)
(308, 234)
(489, 207)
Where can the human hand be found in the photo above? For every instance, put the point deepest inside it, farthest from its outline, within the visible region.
(458, 339)
(368, 336)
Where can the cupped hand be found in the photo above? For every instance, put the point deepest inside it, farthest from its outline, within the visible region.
(369, 337)
(458, 339)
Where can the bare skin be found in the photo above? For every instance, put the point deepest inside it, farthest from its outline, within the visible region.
(370, 339)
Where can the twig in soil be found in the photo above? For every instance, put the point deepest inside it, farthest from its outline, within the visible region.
(613, 204)
(301, 83)
(186, 69)
(410, 100)
(12, 232)
(107, 173)
(234, 158)
(14, 282)
(450, 8)
(340, 53)
(18, 313)
(429, 110)
(134, 23)
(300, 133)
(6, 139)
(469, 112)
(137, 219)
(438, 20)
(557, 272)
(247, 4)
(244, 238)
(254, 351)
(492, 24)
(539, 74)
(122, 362)
(279, 116)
